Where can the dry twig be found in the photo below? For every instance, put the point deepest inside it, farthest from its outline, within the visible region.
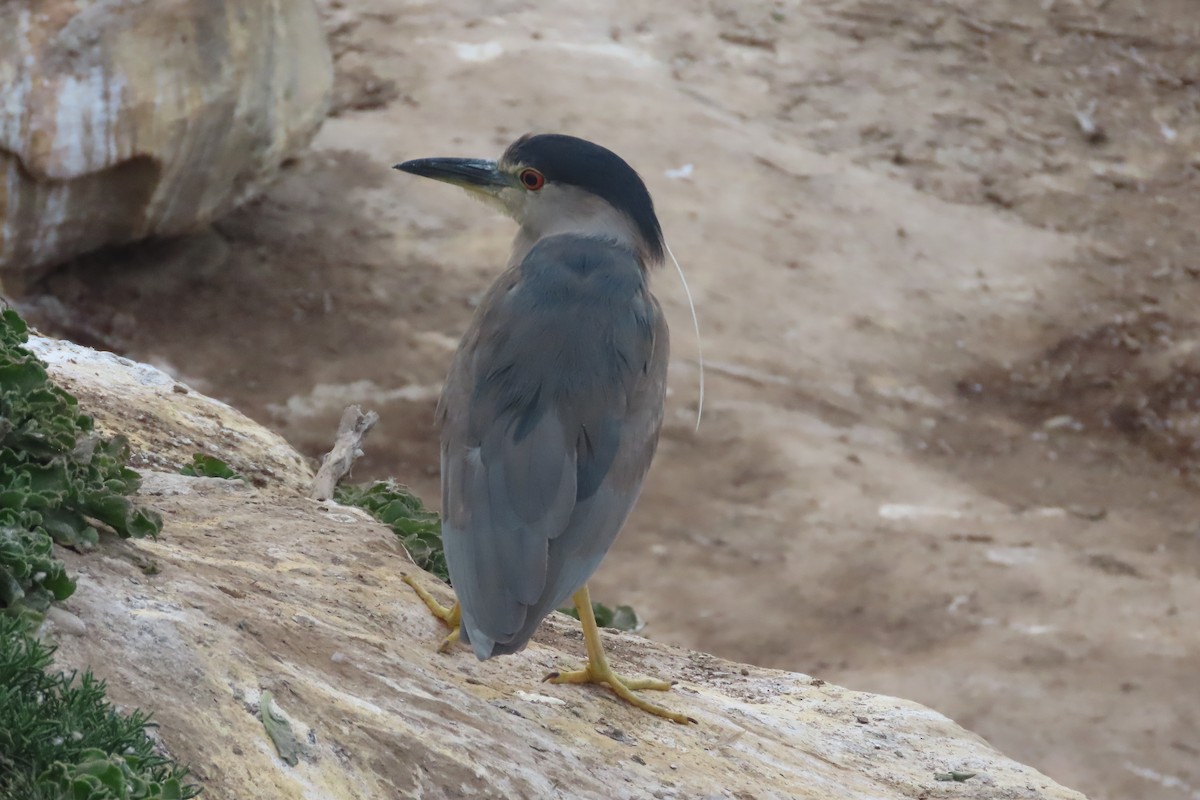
(1085, 118)
(347, 448)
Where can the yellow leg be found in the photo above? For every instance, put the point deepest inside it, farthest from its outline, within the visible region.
(450, 616)
(597, 669)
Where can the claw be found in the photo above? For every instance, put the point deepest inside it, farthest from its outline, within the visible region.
(450, 617)
(598, 671)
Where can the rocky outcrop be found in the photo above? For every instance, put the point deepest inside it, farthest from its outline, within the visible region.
(166, 422)
(121, 119)
(257, 589)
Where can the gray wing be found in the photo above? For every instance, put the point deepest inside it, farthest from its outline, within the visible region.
(550, 418)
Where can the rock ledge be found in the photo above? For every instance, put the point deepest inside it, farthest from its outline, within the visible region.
(261, 589)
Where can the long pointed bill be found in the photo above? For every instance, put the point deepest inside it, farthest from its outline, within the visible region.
(469, 173)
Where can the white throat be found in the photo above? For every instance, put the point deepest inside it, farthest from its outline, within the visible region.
(565, 209)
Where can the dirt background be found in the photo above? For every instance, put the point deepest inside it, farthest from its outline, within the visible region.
(946, 264)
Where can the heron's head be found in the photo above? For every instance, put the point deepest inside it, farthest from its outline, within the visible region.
(552, 183)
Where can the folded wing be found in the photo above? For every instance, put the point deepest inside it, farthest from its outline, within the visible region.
(550, 418)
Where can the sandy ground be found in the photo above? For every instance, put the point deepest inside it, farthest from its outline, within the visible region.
(946, 265)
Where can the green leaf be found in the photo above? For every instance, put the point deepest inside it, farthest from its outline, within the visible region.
(279, 730)
(69, 528)
(203, 466)
(145, 523)
(59, 583)
(622, 618)
(953, 776)
(10, 588)
(13, 329)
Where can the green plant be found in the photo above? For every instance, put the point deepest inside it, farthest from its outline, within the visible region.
(621, 618)
(280, 731)
(60, 482)
(419, 529)
(58, 479)
(62, 740)
(203, 466)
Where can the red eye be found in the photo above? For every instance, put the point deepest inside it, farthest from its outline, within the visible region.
(532, 179)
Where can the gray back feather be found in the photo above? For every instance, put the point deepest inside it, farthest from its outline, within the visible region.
(550, 418)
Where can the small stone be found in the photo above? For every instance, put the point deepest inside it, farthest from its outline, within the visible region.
(65, 622)
(1092, 513)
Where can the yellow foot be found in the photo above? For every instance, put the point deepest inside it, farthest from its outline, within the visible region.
(588, 675)
(597, 669)
(450, 617)
(622, 687)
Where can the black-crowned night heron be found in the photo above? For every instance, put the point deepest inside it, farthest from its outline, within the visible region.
(551, 412)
